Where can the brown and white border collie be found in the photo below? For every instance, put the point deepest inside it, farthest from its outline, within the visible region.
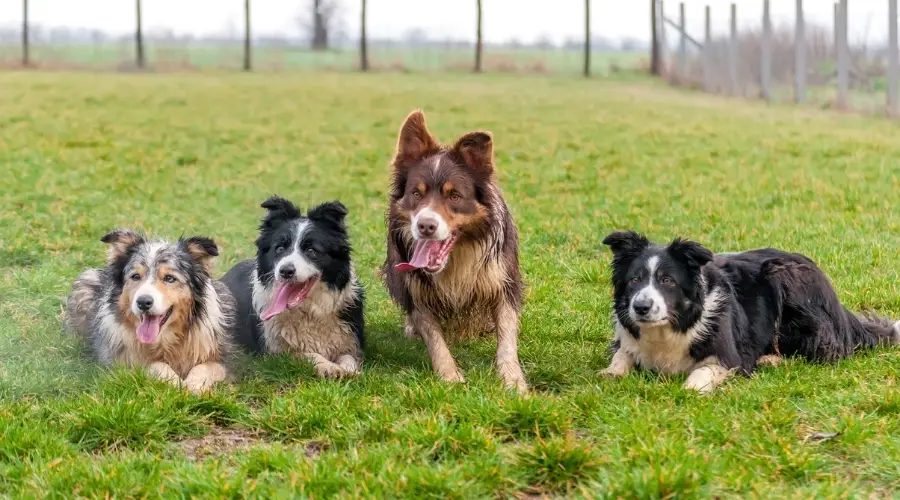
(154, 305)
(452, 250)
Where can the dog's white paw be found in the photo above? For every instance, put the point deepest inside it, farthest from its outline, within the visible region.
(513, 378)
(706, 378)
(164, 372)
(614, 371)
(198, 383)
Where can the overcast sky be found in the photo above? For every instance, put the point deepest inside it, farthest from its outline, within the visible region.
(503, 19)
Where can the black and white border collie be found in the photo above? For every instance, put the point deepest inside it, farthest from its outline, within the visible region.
(301, 295)
(154, 305)
(681, 309)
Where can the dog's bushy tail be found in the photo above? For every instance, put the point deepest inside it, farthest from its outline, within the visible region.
(83, 302)
(876, 330)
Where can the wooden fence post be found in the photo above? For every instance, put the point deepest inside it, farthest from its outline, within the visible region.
(893, 95)
(766, 59)
(26, 56)
(800, 56)
(707, 53)
(733, 53)
(663, 42)
(363, 41)
(842, 56)
(478, 41)
(139, 37)
(587, 38)
(247, 48)
(682, 45)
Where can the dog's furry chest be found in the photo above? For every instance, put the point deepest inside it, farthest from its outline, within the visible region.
(660, 349)
(314, 326)
(301, 331)
(465, 295)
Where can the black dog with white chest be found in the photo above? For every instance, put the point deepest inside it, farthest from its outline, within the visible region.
(301, 295)
(679, 308)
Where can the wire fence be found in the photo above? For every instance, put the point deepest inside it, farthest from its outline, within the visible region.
(805, 62)
(36, 44)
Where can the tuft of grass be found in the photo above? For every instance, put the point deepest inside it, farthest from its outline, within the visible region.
(558, 464)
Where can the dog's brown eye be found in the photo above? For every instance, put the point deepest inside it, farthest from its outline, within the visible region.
(311, 252)
(169, 278)
(636, 279)
(135, 277)
(667, 281)
(454, 197)
(417, 195)
(279, 249)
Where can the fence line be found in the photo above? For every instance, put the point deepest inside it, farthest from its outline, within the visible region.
(798, 62)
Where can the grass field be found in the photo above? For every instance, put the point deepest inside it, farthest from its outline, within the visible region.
(196, 154)
(163, 57)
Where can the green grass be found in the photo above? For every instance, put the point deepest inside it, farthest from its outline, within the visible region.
(181, 57)
(196, 154)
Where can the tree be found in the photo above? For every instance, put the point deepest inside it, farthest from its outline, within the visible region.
(247, 59)
(139, 37)
(319, 27)
(25, 49)
(363, 45)
(479, 43)
(587, 38)
(654, 38)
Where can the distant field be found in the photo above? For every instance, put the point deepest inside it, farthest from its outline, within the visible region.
(196, 154)
(272, 58)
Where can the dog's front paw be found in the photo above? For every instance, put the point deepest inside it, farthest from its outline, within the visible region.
(706, 378)
(198, 384)
(454, 376)
(331, 371)
(350, 366)
(513, 378)
(614, 371)
(164, 372)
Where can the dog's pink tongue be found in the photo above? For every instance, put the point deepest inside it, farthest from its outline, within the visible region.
(423, 253)
(279, 304)
(148, 330)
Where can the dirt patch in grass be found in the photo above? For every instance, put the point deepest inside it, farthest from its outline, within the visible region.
(219, 442)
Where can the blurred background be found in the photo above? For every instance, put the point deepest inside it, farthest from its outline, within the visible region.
(734, 51)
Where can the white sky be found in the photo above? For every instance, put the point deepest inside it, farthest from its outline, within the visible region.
(503, 19)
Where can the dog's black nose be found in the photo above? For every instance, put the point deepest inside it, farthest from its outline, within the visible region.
(145, 302)
(287, 271)
(427, 226)
(642, 307)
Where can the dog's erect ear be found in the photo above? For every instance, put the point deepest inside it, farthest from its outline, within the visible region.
(202, 250)
(626, 242)
(279, 208)
(690, 252)
(332, 212)
(414, 141)
(476, 150)
(119, 241)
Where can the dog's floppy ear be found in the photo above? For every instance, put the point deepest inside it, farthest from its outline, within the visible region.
(202, 250)
(332, 212)
(119, 241)
(477, 150)
(626, 242)
(690, 252)
(279, 208)
(414, 141)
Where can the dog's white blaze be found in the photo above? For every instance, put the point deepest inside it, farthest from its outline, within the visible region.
(443, 229)
(304, 268)
(658, 309)
(147, 288)
(664, 350)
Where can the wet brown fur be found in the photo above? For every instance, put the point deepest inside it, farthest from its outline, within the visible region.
(481, 281)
